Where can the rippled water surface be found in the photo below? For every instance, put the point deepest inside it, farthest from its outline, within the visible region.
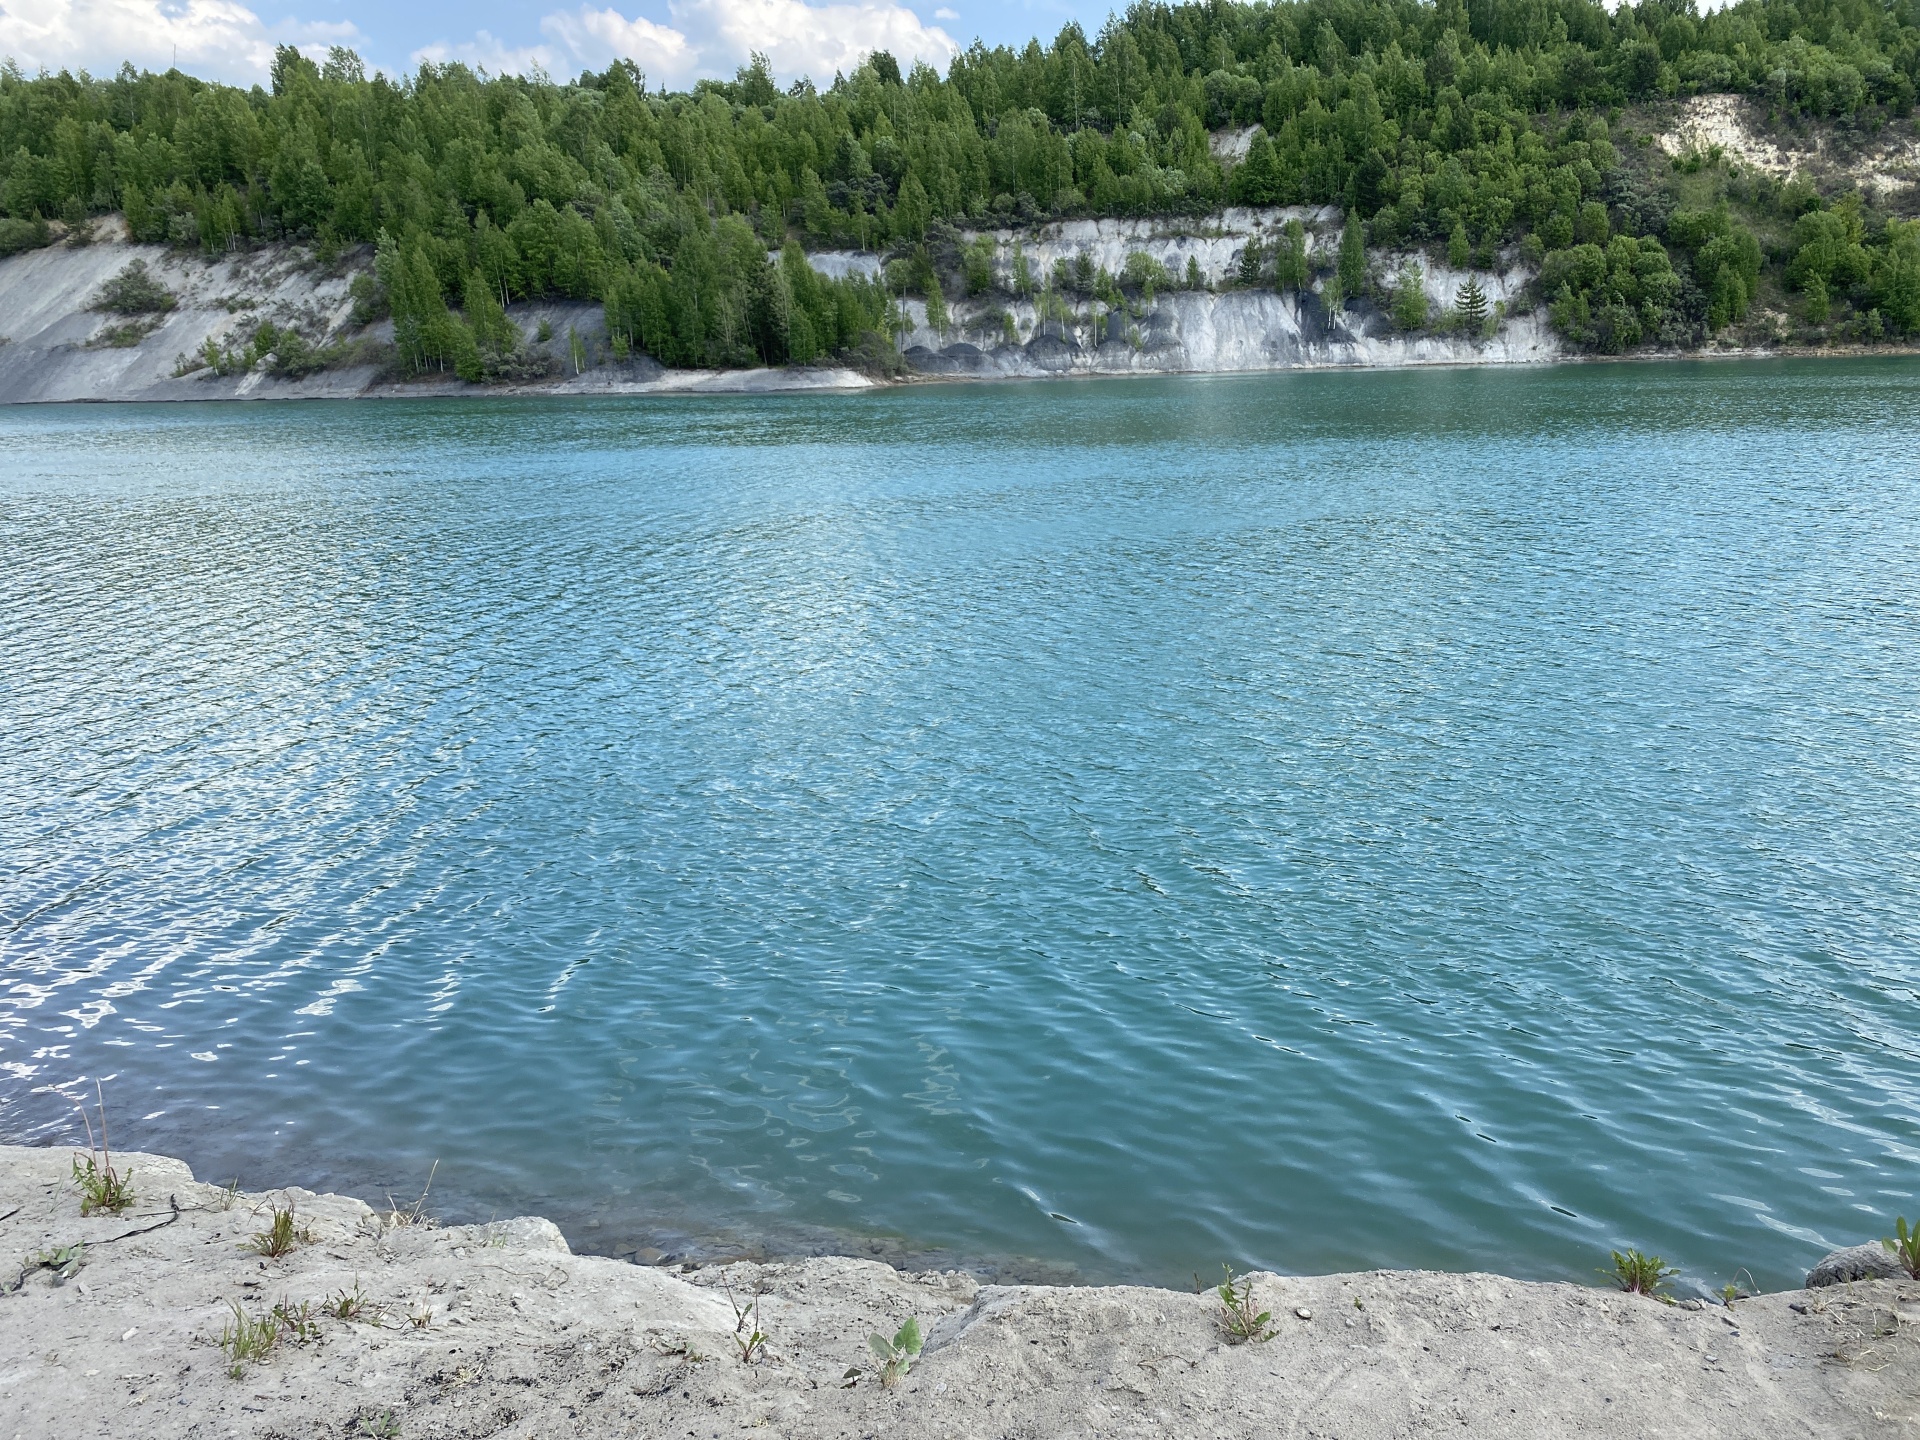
(1461, 819)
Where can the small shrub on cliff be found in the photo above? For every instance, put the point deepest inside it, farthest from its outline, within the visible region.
(17, 235)
(1639, 1274)
(134, 292)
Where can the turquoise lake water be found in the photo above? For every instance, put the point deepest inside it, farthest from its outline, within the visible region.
(1096, 830)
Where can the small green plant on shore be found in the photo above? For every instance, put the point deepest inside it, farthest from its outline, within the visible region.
(247, 1340)
(230, 1193)
(297, 1321)
(281, 1237)
(897, 1355)
(1906, 1245)
(101, 1186)
(1237, 1314)
(422, 1318)
(1639, 1274)
(678, 1347)
(748, 1338)
(349, 1305)
(64, 1261)
(380, 1427)
(1733, 1290)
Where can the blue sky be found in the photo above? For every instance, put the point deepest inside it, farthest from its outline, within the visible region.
(674, 41)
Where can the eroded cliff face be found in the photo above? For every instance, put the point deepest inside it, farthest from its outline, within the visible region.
(55, 346)
(1219, 325)
(1198, 332)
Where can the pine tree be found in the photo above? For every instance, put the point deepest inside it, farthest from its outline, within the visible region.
(1410, 299)
(1470, 305)
(495, 334)
(1290, 259)
(1251, 256)
(1353, 258)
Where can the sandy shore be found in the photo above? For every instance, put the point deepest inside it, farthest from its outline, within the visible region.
(500, 1331)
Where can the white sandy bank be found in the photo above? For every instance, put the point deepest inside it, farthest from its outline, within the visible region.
(474, 1331)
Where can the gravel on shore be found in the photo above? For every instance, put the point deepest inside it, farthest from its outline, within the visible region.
(499, 1330)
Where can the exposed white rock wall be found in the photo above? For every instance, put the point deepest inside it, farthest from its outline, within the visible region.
(1202, 331)
(1229, 329)
(1882, 163)
(51, 350)
(1214, 240)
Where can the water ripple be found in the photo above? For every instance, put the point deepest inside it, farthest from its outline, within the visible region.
(1316, 821)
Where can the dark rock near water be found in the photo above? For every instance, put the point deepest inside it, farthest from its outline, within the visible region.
(1856, 1262)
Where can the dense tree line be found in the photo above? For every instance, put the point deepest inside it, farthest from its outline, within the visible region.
(1464, 125)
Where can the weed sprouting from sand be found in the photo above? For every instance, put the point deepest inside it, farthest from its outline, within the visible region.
(416, 1213)
(898, 1354)
(1242, 1323)
(350, 1305)
(230, 1193)
(677, 1347)
(748, 1338)
(1639, 1274)
(101, 1186)
(1733, 1290)
(64, 1261)
(1906, 1247)
(297, 1321)
(380, 1427)
(247, 1340)
(422, 1318)
(281, 1237)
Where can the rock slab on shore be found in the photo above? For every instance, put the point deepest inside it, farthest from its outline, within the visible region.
(1856, 1262)
(500, 1330)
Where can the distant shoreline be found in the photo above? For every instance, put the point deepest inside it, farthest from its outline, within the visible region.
(847, 381)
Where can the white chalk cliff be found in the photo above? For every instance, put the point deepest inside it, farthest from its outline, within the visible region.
(54, 346)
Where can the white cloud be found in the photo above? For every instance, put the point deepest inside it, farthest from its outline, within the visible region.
(488, 52)
(217, 39)
(943, 13)
(659, 50)
(802, 39)
(715, 37)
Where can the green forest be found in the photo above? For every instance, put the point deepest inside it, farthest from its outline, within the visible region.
(1461, 129)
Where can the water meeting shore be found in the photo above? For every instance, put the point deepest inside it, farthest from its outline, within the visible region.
(392, 1328)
